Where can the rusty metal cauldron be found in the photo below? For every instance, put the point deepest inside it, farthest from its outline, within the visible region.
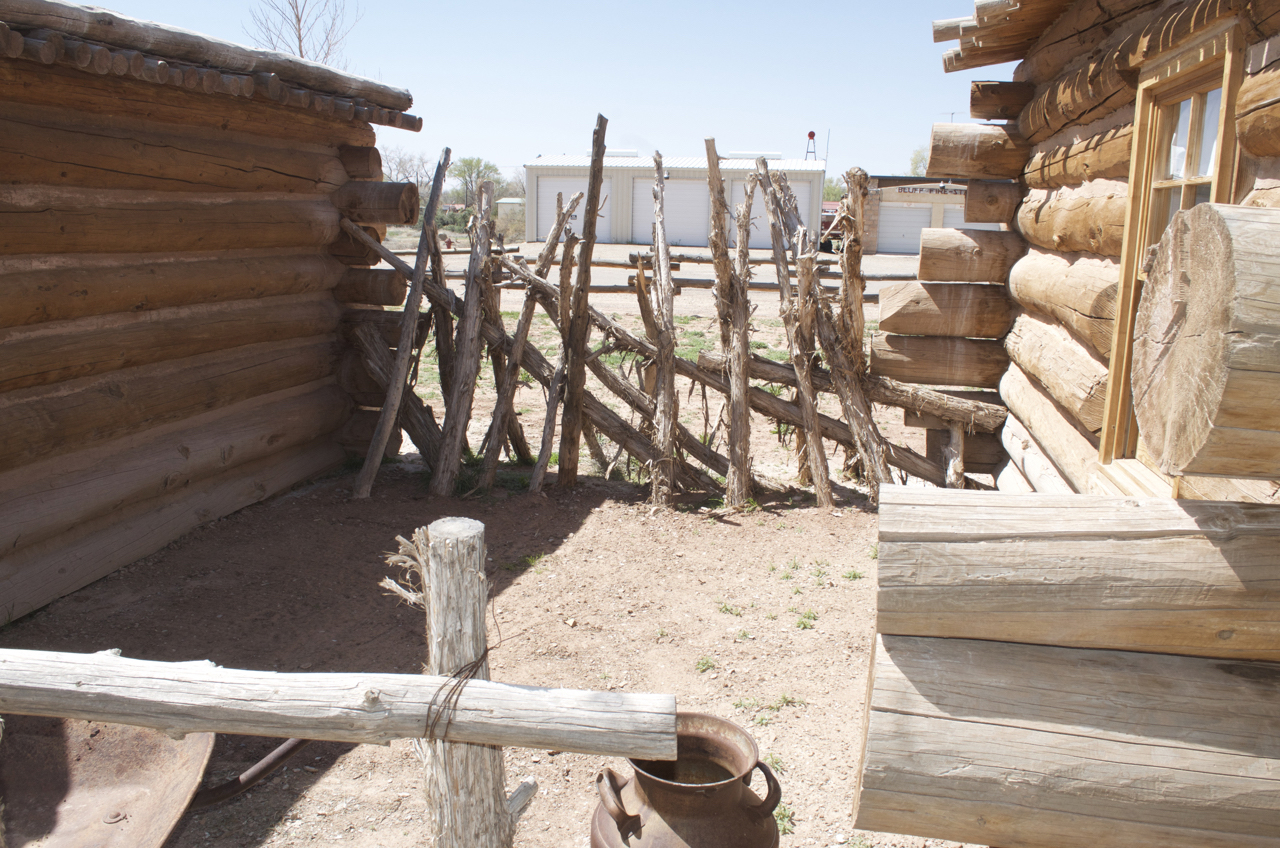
(700, 800)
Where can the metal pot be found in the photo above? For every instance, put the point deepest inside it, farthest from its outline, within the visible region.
(700, 800)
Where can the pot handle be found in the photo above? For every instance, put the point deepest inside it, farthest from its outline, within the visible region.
(607, 785)
(765, 808)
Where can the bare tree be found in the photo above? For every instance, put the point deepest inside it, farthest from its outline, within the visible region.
(312, 29)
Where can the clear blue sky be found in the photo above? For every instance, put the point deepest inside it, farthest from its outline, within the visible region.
(508, 81)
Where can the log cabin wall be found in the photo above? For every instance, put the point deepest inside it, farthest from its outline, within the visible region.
(1066, 143)
(169, 254)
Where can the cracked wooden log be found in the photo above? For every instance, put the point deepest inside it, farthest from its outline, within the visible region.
(1088, 218)
(663, 295)
(1072, 453)
(1026, 455)
(367, 202)
(377, 286)
(964, 310)
(555, 389)
(1078, 290)
(939, 361)
(578, 328)
(469, 351)
(1097, 151)
(976, 151)
(733, 307)
(404, 352)
(1073, 375)
(968, 256)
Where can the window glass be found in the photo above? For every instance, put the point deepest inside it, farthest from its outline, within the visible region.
(1204, 193)
(1179, 120)
(1209, 132)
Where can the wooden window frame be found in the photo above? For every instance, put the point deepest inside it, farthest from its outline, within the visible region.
(1218, 54)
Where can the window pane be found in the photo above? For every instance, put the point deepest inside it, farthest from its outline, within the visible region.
(1164, 203)
(1209, 132)
(1204, 193)
(1178, 118)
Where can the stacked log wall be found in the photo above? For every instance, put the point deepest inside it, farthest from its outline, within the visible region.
(169, 333)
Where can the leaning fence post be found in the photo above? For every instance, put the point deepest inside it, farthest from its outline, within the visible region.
(467, 805)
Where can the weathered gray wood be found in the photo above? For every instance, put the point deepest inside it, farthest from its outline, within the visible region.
(555, 390)
(415, 417)
(1206, 351)
(980, 453)
(1072, 374)
(938, 361)
(1026, 456)
(577, 328)
(1023, 745)
(733, 307)
(1071, 452)
(1097, 151)
(1009, 479)
(968, 256)
(502, 408)
(966, 310)
(663, 295)
(991, 202)
(404, 352)
(953, 453)
(1078, 290)
(998, 101)
(468, 350)
(195, 697)
(976, 151)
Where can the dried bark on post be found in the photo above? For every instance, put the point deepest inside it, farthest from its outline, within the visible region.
(555, 391)
(400, 372)
(465, 784)
(415, 416)
(664, 318)
(547, 257)
(852, 283)
(801, 357)
(468, 348)
(506, 394)
(512, 433)
(442, 319)
(734, 310)
(953, 453)
(578, 329)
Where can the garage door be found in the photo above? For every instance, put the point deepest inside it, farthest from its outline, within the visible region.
(953, 216)
(760, 237)
(569, 186)
(686, 208)
(900, 226)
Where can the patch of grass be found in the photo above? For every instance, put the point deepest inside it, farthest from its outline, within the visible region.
(819, 573)
(785, 700)
(682, 319)
(748, 704)
(794, 564)
(785, 818)
(704, 664)
(730, 610)
(661, 632)
(796, 591)
(761, 720)
(853, 574)
(805, 621)
(772, 616)
(875, 551)
(744, 635)
(774, 762)
(786, 575)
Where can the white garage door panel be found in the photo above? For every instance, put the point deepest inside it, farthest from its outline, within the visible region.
(548, 187)
(686, 211)
(900, 226)
(953, 216)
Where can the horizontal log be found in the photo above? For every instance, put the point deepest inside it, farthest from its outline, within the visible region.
(1258, 112)
(40, 354)
(50, 497)
(65, 288)
(975, 310)
(48, 420)
(929, 421)
(386, 321)
(361, 163)
(51, 220)
(983, 453)
(377, 286)
(37, 574)
(100, 25)
(1092, 88)
(999, 101)
(1002, 744)
(70, 88)
(976, 151)
(1088, 218)
(1091, 154)
(1074, 454)
(62, 147)
(378, 202)
(991, 202)
(1138, 574)
(1072, 374)
(355, 380)
(1206, 349)
(1009, 479)
(968, 256)
(1035, 467)
(194, 697)
(350, 251)
(1080, 29)
(948, 406)
(938, 361)
(1078, 290)
(356, 434)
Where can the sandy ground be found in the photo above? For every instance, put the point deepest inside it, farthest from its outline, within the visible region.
(764, 617)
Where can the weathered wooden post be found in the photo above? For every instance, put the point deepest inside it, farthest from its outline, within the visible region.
(467, 805)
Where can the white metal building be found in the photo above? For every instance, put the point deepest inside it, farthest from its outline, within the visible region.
(626, 208)
(903, 206)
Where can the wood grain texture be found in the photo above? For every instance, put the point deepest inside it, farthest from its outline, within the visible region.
(378, 286)
(981, 453)
(49, 497)
(1206, 350)
(1072, 374)
(991, 201)
(1078, 290)
(46, 420)
(47, 570)
(71, 286)
(973, 310)
(1027, 457)
(968, 256)
(938, 361)
(976, 151)
(1182, 752)
(1073, 453)
(1098, 151)
(369, 202)
(193, 697)
(1141, 574)
(54, 351)
(1072, 219)
(1258, 112)
(1080, 29)
(999, 101)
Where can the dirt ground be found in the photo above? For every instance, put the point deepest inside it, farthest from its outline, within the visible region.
(764, 617)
